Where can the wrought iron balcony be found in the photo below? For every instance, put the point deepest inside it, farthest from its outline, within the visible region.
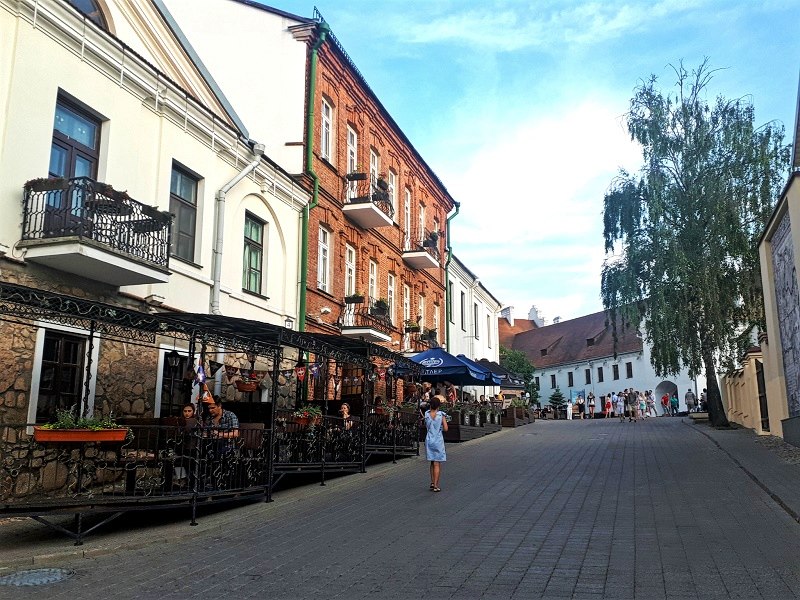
(422, 251)
(419, 342)
(367, 201)
(85, 227)
(371, 322)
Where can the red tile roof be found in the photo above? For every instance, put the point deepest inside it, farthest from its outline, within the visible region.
(507, 332)
(567, 342)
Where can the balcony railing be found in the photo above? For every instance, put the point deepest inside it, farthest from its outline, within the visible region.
(369, 320)
(365, 195)
(421, 250)
(88, 210)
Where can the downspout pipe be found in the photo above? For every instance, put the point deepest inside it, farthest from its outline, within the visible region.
(448, 301)
(324, 28)
(219, 227)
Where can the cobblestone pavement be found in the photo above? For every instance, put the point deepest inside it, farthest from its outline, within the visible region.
(580, 509)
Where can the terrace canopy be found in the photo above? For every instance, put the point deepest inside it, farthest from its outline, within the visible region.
(439, 366)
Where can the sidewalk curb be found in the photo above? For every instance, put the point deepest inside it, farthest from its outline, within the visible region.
(775, 497)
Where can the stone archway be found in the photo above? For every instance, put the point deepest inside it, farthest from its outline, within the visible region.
(665, 387)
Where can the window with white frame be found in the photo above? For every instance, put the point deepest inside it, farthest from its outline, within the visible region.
(352, 158)
(390, 296)
(392, 183)
(349, 270)
(373, 280)
(552, 381)
(374, 169)
(476, 333)
(323, 260)
(463, 308)
(326, 132)
(488, 331)
(406, 303)
(421, 232)
(407, 220)
(422, 311)
(436, 225)
(436, 318)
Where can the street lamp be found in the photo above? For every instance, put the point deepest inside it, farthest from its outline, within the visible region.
(173, 360)
(288, 323)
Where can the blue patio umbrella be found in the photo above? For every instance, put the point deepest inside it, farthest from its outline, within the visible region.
(489, 377)
(439, 366)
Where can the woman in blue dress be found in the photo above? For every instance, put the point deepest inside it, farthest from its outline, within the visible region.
(435, 423)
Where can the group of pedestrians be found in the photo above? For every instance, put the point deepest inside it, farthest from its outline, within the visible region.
(634, 404)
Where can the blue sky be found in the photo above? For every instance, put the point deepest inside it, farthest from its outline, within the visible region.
(518, 106)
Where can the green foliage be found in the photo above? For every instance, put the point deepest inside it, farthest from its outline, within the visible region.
(66, 419)
(517, 362)
(682, 236)
(309, 411)
(557, 399)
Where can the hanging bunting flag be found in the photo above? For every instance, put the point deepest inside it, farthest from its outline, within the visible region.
(201, 374)
(337, 384)
(301, 373)
(213, 367)
(287, 373)
(231, 371)
(245, 373)
(314, 370)
(382, 373)
(257, 375)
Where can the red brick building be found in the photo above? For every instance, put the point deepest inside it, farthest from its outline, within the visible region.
(379, 227)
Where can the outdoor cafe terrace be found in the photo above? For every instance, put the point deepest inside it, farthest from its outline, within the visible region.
(286, 388)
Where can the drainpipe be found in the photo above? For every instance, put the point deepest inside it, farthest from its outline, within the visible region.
(448, 301)
(219, 226)
(324, 28)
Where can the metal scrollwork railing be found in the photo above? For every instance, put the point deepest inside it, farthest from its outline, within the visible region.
(87, 209)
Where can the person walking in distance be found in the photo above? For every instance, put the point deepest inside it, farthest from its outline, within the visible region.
(590, 399)
(608, 405)
(690, 400)
(436, 424)
(673, 404)
(665, 405)
(621, 407)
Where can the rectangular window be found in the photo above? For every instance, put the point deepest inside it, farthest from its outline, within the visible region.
(61, 377)
(436, 318)
(629, 370)
(552, 381)
(374, 170)
(406, 303)
(352, 158)
(570, 381)
(450, 301)
(392, 181)
(615, 371)
(390, 296)
(536, 381)
(599, 374)
(422, 321)
(463, 311)
(253, 259)
(349, 270)
(476, 333)
(488, 331)
(323, 260)
(326, 132)
(183, 204)
(421, 224)
(407, 220)
(372, 287)
(588, 376)
(76, 139)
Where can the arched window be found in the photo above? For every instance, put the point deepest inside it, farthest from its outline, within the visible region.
(92, 12)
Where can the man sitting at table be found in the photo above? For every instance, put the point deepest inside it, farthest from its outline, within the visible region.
(224, 423)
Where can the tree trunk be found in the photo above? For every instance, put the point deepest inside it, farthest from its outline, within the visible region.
(716, 412)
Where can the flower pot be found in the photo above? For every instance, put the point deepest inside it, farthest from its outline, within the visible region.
(246, 386)
(356, 177)
(379, 311)
(302, 421)
(412, 329)
(354, 299)
(383, 184)
(48, 184)
(41, 434)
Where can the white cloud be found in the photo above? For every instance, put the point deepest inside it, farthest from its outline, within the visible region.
(531, 219)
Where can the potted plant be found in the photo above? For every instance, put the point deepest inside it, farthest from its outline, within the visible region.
(411, 326)
(382, 183)
(380, 308)
(431, 241)
(69, 428)
(309, 414)
(429, 334)
(356, 176)
(47, 184)
(354, 298)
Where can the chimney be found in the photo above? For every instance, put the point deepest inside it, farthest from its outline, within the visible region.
(505, 312)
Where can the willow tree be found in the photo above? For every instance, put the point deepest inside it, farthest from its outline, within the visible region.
(681, 235)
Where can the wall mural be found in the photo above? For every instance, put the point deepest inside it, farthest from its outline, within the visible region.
(788, 308)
